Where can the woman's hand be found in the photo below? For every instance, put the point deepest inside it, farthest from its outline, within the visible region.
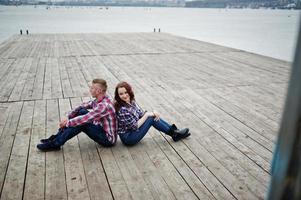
(156, 115)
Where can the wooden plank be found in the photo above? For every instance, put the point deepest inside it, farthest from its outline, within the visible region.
(66, 85)
(246, 145)
(10, 79)
(206, 159)
(266, 63)
(101, 68)
(95, 175)
(154, 181)
(43, 50)
(6, 45)
(82, 82)
(230, 94)
(274, 97)
(85, 68)
(29, 45)
(75, 176)
(4, 110)
(29, 84)
(48, 46)
(6, 67)
(35, 174)
(47, 79)
(38, 86)
(114, 175)
(73, 77)
(7, 139)
(268, 105)
(56, 45)
(114, 63)
(132, 176)
(257, 123)
(34, 44)
(34, 48)
(56, 86)
(178, 174)
(242, 143)
(255, 74)
(15, 175)
(13, 48)
(21, 81)
(55, 181)
(171, 102)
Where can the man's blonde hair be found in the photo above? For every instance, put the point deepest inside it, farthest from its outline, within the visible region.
(101, 82)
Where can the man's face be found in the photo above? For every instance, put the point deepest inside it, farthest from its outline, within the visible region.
(95, 89)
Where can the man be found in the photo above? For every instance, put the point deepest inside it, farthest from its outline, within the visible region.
(99, 123)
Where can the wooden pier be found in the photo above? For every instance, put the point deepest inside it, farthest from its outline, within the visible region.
(230, 99)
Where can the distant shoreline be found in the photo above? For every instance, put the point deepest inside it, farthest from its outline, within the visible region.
(191, 4)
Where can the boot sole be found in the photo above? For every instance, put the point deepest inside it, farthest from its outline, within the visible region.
(181, 137)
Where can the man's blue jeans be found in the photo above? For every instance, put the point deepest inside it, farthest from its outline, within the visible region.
(95, 132)
(133, 137)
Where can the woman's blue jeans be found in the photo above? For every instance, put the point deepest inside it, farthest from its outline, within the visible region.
(133, 137)
(95, 132)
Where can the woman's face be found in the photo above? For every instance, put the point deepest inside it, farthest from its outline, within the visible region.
(124, 95)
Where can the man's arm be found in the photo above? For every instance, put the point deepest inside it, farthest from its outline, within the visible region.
(73, 112)
(98, 112)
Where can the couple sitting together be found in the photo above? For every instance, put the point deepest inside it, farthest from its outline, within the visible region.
(102, 120)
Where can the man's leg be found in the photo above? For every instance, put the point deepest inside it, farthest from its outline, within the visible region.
(82, 111)
(67, 133)
(62, 136)
(96, 133)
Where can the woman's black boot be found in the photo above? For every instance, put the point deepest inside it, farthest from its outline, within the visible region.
(178, 134)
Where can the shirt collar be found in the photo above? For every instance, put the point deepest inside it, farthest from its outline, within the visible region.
(100, 100)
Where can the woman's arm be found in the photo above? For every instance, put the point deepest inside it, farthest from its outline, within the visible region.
(144, 118)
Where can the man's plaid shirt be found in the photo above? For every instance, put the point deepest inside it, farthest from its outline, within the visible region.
(102, 113)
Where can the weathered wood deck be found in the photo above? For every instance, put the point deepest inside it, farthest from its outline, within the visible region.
(231, 100)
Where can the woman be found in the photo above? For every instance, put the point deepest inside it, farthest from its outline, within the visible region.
(133, 123)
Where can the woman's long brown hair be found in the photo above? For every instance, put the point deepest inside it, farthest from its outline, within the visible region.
(118, 102)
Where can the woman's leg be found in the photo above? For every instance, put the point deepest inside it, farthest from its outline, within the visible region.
(133, 137)
(171, 130)
(162, 126)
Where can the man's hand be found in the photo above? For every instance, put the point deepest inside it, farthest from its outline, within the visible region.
(63, 123)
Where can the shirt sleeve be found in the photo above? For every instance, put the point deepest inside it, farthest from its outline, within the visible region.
(127, 120)
(139, 110)
(98, 112)
(86, 105)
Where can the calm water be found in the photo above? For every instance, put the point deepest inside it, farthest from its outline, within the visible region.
(267, 32)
